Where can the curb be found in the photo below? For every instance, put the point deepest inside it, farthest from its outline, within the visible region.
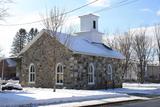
(110, 103)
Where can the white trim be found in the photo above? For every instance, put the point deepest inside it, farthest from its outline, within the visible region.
(91, 73)
(59, 73)
(29, 81)
(109, 71)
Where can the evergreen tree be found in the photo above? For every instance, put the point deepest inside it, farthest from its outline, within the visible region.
(19, 41)
(32, 33)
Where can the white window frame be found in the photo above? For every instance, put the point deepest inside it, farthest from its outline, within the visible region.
(33, 73)
(109, 71)
(91, 74)
(59, 73)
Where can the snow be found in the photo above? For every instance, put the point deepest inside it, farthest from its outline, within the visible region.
(145, 85)
(137, 88)
(14, 85)
(96, 102)
(81, 45)
(72, 97)
(39, 96)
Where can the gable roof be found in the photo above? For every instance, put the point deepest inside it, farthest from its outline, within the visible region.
(32, 41)
(79, 45)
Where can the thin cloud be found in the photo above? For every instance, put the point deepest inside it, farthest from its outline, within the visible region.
(146, 10)
(158, 13)
(100, 3)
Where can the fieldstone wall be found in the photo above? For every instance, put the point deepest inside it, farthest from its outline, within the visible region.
(79, 74)
(46, 52)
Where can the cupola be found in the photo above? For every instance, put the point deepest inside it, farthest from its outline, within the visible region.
(88, 22)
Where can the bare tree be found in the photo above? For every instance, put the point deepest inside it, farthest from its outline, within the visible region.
(53, 22)
(125, 47)
(111, 42)
(3, 9)
(69, 32)
(157, 35)
(143, 49)
(1, 53)
(123, 43)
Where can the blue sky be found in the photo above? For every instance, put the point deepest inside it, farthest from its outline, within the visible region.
(140, 13)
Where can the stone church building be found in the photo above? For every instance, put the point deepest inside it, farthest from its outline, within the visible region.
(77, 61)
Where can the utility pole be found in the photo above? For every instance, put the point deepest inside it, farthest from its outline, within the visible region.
(2, 69)
(2, 72)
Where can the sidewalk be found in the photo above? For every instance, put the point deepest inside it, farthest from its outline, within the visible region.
(97, 102)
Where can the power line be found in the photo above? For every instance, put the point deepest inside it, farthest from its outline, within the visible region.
(119, 4)
(81, 7)
(63, 14)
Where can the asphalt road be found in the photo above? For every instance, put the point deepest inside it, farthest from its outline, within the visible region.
(148, 103)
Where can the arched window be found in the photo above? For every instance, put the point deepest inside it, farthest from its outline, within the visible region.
(91, 73)
(32, 73)
(109, 72)
(59, 74)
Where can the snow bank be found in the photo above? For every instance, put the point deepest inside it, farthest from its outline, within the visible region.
(12, 85)
(44, 96)
(138, 85)
(137, 88)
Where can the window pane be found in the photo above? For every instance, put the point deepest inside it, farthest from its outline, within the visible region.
(33, 75)
(57, 78)
(91, 78)
(61, 68)
(58, 69)
(59, 73)
(31, 78)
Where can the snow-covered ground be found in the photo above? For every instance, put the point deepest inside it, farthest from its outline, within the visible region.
(44, 96)
(47, 96)
(39, 96)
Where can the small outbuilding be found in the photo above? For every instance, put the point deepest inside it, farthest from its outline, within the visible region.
(8, 68)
